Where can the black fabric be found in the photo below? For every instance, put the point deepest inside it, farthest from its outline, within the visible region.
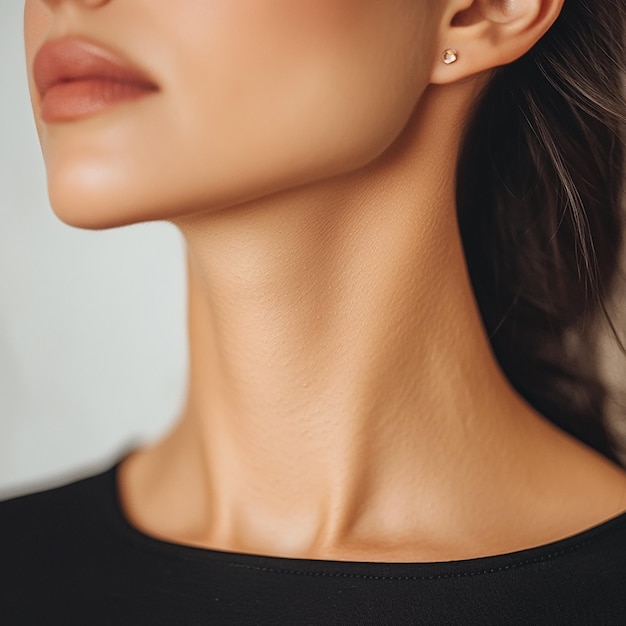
(68, 556)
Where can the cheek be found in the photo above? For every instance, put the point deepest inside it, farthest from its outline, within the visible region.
(282, 91)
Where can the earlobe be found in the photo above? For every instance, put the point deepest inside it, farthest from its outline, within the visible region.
(490, 33)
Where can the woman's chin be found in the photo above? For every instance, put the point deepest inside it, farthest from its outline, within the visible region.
(91, 210)
(88, 220)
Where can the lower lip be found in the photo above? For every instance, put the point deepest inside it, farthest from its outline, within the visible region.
(78, 99)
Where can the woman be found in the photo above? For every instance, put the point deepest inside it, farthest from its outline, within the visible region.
(398, 217)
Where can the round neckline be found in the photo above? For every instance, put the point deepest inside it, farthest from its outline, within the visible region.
(369, 569)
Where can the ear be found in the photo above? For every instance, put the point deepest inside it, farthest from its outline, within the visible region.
(489, 33)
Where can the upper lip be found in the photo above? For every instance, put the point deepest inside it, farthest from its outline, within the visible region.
(75, 58)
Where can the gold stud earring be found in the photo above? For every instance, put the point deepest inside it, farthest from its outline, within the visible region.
(450, 56)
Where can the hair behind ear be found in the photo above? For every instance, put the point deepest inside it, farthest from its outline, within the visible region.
(540, 183)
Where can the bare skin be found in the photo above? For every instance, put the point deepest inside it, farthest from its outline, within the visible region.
(331, 416)
(343, 399)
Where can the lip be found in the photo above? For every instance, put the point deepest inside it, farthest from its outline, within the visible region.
(77, 78)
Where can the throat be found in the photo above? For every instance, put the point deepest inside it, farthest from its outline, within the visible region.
(321, 398)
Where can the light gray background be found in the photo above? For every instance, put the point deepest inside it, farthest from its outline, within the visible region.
(92, 323)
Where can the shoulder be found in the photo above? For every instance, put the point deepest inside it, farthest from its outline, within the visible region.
(43, 529)
(56, 544)
(50, 509)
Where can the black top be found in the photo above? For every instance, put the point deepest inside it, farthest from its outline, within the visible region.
(68, 556)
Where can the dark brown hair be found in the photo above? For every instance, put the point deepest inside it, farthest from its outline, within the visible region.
(540, 186)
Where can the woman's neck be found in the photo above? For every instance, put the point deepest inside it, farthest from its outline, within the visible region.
(339, 369)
